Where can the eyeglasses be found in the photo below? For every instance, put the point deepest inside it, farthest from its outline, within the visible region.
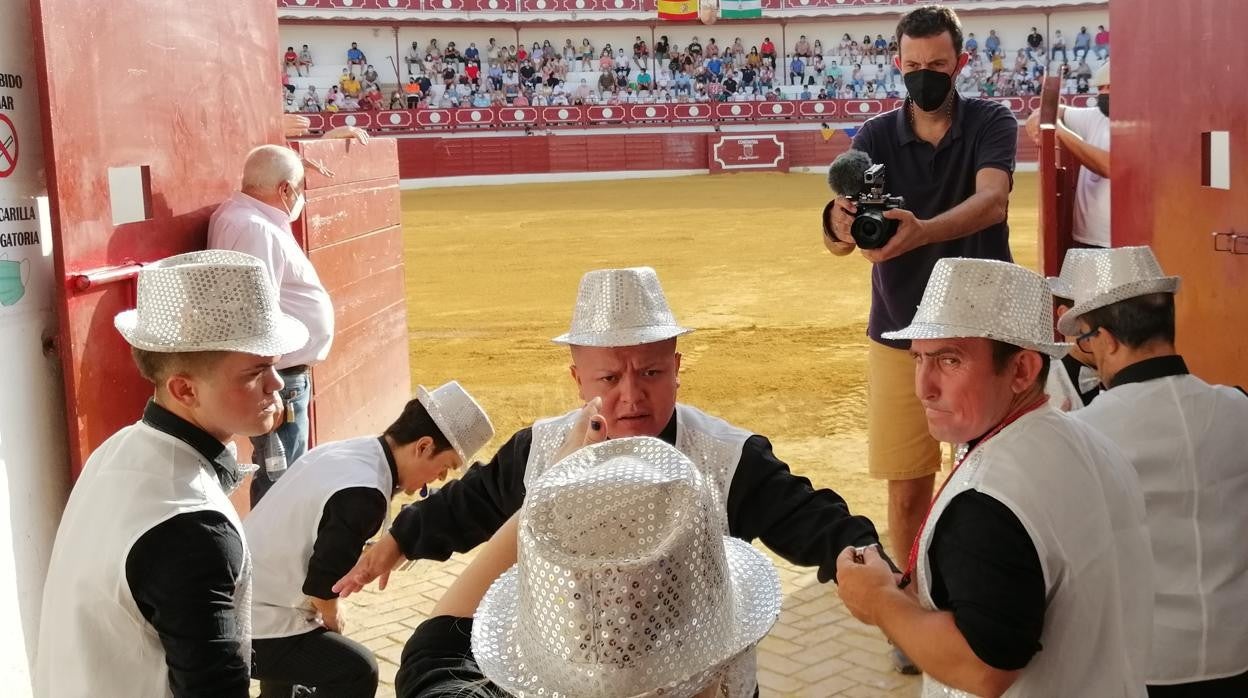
(1086, 335)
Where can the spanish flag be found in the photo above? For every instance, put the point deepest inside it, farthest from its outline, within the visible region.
(678, 10)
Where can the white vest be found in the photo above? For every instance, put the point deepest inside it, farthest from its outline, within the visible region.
(1080, 502)
(93, 640)
(1188, 441)
(712, 444)
(281, 530)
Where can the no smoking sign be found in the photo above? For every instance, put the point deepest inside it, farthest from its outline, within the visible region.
(8, 146)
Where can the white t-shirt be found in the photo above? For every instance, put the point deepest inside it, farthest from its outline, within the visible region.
(1092, 190)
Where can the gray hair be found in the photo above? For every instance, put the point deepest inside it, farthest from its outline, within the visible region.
(269, 165)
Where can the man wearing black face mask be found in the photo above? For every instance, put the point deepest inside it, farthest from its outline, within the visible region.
(1085, 132)
(953, 161)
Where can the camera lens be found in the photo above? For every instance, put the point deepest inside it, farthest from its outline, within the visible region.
(870, 230)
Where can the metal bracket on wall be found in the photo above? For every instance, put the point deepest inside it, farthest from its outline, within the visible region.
(88, 280)
(1231, 242)
(126, 273)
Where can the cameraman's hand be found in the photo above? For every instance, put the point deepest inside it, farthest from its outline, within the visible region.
(842, 217)
(911, 233)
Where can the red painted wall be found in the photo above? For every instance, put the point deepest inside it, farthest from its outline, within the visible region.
(459, 157)
(352, 230)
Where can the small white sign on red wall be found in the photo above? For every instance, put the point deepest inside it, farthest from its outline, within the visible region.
(757, 152)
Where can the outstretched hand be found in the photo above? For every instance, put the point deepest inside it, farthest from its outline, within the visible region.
(376, 562)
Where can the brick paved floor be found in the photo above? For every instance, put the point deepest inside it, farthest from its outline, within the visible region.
(816, 648)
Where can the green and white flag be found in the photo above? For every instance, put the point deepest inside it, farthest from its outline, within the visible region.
(741, 9)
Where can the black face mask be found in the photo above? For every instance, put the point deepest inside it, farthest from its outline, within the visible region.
(1102, 103)
(928, 88)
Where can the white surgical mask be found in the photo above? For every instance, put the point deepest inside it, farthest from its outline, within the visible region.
(297, 208)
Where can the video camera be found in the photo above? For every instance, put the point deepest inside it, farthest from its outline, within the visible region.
(853, 176)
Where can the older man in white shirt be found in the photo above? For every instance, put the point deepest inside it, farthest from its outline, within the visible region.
(256, 220)
(1188, 442)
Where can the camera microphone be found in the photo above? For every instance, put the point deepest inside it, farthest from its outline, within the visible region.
(845, 174)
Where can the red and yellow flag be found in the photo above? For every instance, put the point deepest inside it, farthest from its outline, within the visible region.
(678, 10)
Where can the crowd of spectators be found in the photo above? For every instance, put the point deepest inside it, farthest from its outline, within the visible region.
(543, 74)
(992, 72)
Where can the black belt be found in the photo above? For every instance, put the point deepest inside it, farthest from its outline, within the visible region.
(293, 370)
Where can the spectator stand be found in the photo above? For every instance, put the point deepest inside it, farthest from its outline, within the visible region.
(317, 8)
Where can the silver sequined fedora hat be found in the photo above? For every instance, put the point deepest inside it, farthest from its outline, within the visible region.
(624, 584)
(1095, 278)
(621, 308)
(213, 300)
(985, 298)
(459, 417)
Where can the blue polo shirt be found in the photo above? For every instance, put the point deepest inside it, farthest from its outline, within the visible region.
(933, 180)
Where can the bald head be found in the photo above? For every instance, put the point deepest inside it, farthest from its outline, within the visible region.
(270, 166)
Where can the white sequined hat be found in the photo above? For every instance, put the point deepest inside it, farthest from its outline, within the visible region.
(624, 584)
(1095, 278)
(213, 300)
(460, 418)
(985, 298)
(621, 308)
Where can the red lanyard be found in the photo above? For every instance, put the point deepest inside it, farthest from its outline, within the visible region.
(914, 547)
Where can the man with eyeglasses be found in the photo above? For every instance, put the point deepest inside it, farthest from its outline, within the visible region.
(1187, 442)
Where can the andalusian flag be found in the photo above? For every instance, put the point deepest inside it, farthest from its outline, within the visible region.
(678, 10)
(741, 9)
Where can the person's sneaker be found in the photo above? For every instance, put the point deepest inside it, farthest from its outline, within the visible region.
(902, 663)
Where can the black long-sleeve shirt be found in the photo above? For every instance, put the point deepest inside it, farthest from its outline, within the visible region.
(349, 518)
(766, 501)
(182, 575)
(437, 661)
(985, 570)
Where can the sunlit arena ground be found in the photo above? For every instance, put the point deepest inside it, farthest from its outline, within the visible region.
(780, 349)
(780, 346)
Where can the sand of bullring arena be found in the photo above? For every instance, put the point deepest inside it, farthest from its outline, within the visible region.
(780, 346)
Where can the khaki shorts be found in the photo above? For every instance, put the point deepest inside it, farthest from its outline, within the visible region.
(899, 446)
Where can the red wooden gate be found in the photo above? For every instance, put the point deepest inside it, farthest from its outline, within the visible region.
(1058, 173)
(1163, 104)
(176, 92)
(145, 91)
